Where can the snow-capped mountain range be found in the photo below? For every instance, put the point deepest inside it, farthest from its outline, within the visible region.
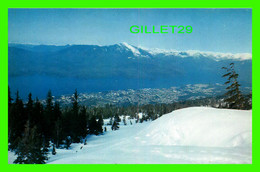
(95, 68)
(190, 53)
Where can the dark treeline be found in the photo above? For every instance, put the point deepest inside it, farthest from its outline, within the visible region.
(33, 127)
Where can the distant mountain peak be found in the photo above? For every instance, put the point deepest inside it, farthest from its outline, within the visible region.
(131, 48)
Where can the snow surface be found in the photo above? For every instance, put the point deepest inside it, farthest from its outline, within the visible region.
(197, 53)
(131, 48)
(190, 135)
(198, 126)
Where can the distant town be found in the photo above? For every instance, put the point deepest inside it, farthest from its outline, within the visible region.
(147, 96)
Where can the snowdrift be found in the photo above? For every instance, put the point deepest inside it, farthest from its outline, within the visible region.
(200, 126)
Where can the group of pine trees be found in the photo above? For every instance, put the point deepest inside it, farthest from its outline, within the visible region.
(33, 126)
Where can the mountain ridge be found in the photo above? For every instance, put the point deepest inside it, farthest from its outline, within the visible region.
(93, 68)
(151, 51)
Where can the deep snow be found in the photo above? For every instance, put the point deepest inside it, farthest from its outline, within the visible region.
(190, 135)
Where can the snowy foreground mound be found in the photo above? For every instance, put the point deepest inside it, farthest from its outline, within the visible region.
(201, 126)
(190, 135)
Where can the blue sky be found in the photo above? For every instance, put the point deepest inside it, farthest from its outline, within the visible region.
(217, 30)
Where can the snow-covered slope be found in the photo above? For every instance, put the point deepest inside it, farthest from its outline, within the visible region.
(195, 53)
(134, 50)
(190, 135)
(201, 126)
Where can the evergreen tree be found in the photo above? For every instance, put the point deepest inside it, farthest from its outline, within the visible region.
(82, 122)
(38, 116)
(57, 132)
(17, 121)
(67, 142)
(49, 120)
(117, 118)
(137, 118)
(115, 125)
(66, 122)
(100, 124)
(75, 107)
(31, 149)
(56, 111)
(124, 120)
(248, 101)
(49, 102)
(10, 114)
(9, 97)
(93, 126)
(76, 129)
(29, 110)
(53, 150)
(234, 98)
